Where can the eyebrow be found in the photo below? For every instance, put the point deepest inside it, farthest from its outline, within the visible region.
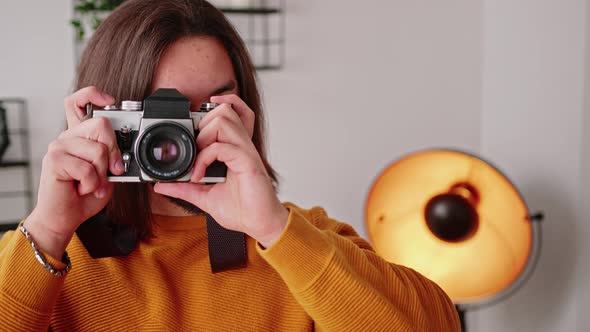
(226, 87)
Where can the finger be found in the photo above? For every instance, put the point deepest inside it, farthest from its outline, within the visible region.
(190, 192)
(75, 104)
(100, 130)
(223, 130)
(223, 110)
(239, 106)
(234, 157)
(93, 152)
(69, 168)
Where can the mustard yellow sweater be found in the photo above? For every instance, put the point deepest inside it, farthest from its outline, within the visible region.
(320, 275)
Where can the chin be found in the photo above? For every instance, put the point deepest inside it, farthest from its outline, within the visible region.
(188, 207)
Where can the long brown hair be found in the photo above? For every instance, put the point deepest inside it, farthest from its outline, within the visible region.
(121, 59)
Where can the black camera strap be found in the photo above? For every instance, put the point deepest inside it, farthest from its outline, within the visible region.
(227, 249)
(103, 238)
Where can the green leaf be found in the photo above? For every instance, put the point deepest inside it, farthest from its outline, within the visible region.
(85, 8)
(96, 22)
(78, 28)
(76, 23)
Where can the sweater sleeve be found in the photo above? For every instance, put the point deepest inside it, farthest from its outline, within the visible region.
(28, 292)
(344, 286)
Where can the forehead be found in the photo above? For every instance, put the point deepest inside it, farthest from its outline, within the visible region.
(195, 66)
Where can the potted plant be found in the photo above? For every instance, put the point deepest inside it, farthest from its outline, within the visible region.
(89, 14)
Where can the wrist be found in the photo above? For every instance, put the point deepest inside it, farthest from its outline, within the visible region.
(51, 242)
(279, 222)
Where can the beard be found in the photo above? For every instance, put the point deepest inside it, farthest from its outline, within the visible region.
(186, 206)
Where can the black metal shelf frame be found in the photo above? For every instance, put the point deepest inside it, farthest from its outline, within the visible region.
(14, 163)
(251, 11)
(272, 50)
(263, 11)
(24, 163)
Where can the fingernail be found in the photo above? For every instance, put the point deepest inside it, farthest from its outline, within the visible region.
(119, 166)
(106, 96)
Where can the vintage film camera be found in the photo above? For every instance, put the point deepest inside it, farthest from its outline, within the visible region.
(157, 138)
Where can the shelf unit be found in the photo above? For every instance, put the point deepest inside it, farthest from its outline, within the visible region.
(251, 11)
(263, 32)
(21, 161)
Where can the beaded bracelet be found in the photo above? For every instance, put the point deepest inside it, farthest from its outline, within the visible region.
(65, 258)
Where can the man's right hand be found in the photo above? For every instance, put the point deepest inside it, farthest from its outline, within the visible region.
(73, 185)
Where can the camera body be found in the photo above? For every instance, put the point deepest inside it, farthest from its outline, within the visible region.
(157, 138)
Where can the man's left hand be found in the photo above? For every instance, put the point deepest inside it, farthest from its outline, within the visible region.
(246, 201)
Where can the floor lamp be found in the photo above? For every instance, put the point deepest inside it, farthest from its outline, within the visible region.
(459, 221)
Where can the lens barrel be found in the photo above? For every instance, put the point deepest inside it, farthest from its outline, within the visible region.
(166, 151)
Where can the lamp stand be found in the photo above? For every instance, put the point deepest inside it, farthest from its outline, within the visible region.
(461, 313)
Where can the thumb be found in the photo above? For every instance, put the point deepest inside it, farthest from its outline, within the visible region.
(75, 104)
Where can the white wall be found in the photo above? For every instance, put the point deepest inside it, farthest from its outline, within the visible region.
(366, 82)
(533, 95)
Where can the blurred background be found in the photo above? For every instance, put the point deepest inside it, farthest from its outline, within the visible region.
(364, 83)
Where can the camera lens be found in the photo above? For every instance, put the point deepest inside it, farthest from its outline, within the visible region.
(166, 151)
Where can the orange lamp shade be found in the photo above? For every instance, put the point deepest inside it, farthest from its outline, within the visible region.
(455, 219)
